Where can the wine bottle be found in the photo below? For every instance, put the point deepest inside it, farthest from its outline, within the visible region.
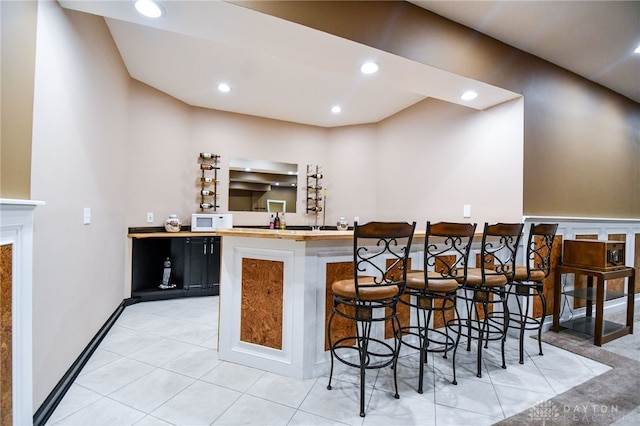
(204, 166)
(206, 205)
(276, 221)
(209, 156)
(207, 192)
(315, 187)
(207, 180)
(315, 197)
(314, 209)
(315, 176)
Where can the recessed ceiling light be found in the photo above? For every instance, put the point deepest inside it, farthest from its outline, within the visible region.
(469, 95)
(637, 49)
(336, 109)
(149, 8)
(369, 68)
(224, 88)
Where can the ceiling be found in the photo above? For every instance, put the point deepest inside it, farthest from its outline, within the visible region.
(295, 73)
(594, 39)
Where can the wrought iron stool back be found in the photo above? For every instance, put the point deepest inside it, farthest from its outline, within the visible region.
(380, 258)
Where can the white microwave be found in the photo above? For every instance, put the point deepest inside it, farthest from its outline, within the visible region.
(210, 222)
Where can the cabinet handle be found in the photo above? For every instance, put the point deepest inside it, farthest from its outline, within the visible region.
(204, 249)
(211, 249)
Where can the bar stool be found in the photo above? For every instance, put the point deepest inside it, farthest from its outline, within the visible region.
(484, 290)
(528, 282)
(380, 256)
(433, 290)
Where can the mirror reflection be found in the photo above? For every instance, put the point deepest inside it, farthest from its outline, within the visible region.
(262, 186)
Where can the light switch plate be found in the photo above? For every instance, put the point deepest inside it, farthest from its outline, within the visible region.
(149, 217)
(86, 216)
(466, 210)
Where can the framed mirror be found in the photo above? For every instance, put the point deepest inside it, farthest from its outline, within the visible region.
(262, 186)
(274, 206)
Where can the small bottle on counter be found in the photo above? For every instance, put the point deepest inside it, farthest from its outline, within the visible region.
(283, 222)
(271, 223)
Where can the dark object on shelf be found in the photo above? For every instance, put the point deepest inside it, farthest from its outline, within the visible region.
(166, 276)
(594, 254)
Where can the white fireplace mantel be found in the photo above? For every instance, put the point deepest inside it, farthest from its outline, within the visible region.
(16, 228)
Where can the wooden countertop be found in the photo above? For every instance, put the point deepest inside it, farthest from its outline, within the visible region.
(287, 234)
(280, 234)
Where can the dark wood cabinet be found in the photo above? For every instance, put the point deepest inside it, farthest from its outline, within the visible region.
(202, 267)
(195, 267)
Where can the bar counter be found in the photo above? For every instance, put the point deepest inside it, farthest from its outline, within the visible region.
(275, 296)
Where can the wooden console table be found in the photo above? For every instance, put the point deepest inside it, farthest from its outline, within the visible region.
(602, 331)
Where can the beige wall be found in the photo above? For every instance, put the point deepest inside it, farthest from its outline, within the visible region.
(18, 29)
(413, 166)
(444, 156)
(79, 160)
(581, 141)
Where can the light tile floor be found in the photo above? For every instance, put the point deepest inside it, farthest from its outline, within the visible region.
(159, 366)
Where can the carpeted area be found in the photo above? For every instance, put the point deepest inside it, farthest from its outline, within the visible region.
(611, 398)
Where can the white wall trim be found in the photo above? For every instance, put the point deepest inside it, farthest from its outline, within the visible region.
(16, 228)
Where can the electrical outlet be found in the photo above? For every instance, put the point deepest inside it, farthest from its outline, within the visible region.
(149, 217)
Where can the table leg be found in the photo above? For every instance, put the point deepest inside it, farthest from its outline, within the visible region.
(589, 308)
(557, 301)
(631, 293)
(597, 333)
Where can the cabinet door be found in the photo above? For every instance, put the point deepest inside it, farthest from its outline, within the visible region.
(196, 264)
(202, 269)
(213, 262)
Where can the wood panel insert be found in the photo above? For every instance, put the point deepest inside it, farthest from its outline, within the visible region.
(6, 280)
(341, 326)
(262, 302)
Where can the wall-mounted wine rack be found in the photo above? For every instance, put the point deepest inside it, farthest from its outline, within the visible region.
(209, 181)
(315, 198)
